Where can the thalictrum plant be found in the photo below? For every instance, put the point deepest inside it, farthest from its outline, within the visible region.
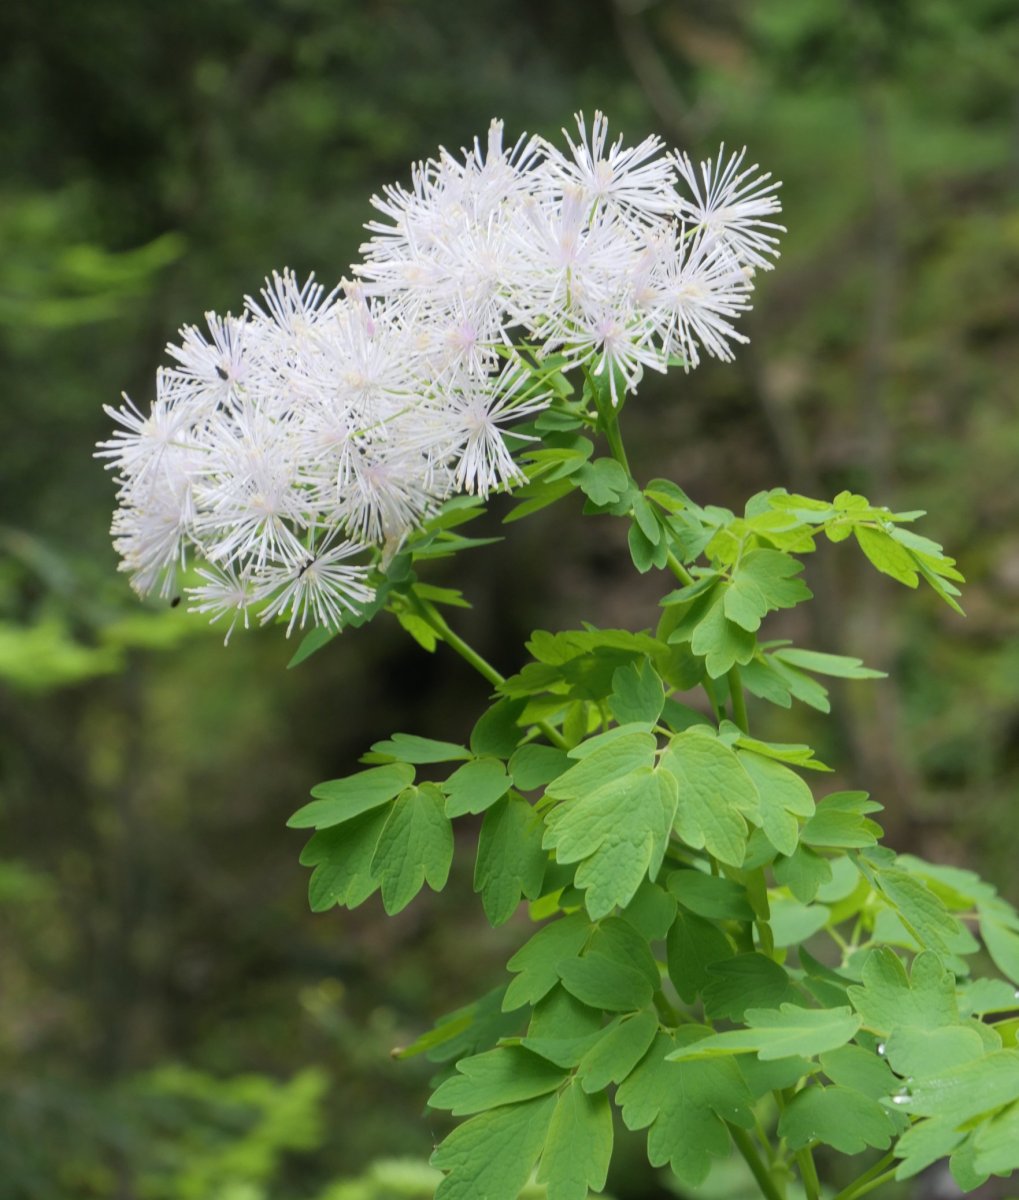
(726, 957)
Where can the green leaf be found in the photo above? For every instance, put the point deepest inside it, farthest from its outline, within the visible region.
(615, 856)
(417, 627)
(924, 1144)
(784, 798)
(415, 847)
(762, 582)
(492, 1155)
(602, 481)
(684, 1106)
(837, 1116)
(644, 515)
(780, 1033)
(914, 1053)
(837, 665)
(859, 1070)
(603, 762)
(888, 999)
(982, 996)
(744, 981)
(840, 822)
(475, 786)
(714, 792)
(888, 555)
(342, 859)
(614, 1056)
(637, 694)
(693, 945)
(537, 960)
(924, 915)
(645, 553)
(343, 799)
(311, 643)
(962, 1093)
(651, 911)
(578, 1147)
(719, 641)
(560, 1015)
(996, 1143)
(409, 748)
(506, 1075)
(793, 923)
(711, 896)
(536, 496)
(533, 766)
(464, 1031)
(804, 872)
(497, 733)
(1002, 944)
(603, 982)
(622, 941)
(510, 859)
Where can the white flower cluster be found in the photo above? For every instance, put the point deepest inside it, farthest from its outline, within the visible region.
(292, 448)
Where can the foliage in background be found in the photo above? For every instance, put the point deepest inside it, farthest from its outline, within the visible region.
(166, 161)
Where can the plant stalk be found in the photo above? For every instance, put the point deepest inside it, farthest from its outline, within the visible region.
(871, 1178)
(435, 620)
(760, 1172)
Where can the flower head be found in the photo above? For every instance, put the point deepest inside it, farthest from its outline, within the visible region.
(291, 450)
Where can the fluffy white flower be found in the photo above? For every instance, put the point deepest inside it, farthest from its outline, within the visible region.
(292, 450)
(733, 205)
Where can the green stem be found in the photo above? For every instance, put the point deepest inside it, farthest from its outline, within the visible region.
(870, 1179)
(677, 568)
(753, 1160)
(435, 620)
(757, 892)
(808, 1173)
(610, 423)
(871, 1184)
(739, 703)
(430, 614)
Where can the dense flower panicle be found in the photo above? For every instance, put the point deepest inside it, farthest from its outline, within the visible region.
(292, 449)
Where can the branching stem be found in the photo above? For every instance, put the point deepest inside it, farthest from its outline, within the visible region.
(435, 621)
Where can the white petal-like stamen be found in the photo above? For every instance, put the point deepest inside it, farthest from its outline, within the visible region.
(320, 427)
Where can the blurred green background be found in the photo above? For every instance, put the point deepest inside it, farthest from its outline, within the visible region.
(174, 1023)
